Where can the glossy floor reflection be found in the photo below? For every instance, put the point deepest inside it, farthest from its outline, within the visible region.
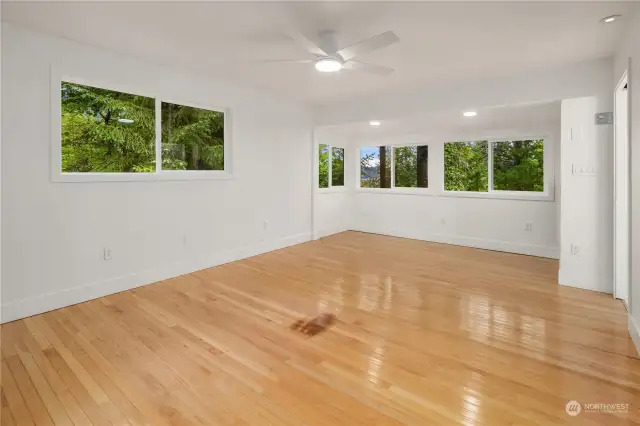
(424, 334)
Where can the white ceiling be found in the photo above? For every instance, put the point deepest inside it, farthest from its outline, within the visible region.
(500, 121)
(441, 43)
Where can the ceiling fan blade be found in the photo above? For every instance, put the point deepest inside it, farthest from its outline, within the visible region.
(306, 42)
(369, 45)
(287, 61)
(370, 68)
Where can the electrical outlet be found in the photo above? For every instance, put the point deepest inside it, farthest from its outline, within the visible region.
(528, 226)
(107, 253)
(575, 250)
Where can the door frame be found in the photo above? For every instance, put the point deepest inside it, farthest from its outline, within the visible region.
(624, 80)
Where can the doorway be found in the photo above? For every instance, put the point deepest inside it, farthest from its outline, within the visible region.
(622, 228)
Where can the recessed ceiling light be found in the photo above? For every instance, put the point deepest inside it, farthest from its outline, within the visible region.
(374, 123)
(609, 19)
(125, 120)
(469, 113)
(328, 65)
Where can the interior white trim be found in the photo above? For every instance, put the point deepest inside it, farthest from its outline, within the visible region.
(50, 301)
(84, 76)
(634, 332)
(503, 246)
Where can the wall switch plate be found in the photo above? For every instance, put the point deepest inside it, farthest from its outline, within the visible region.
(528, 226)
(604, 118)
(107, 253)
(575, 250)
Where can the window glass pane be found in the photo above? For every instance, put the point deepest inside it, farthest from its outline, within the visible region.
(412, 166)
(466, 166)
(106, 131)
(518, 165)
(375, 167)
(337, 166)
(323, 165)
(192, 138)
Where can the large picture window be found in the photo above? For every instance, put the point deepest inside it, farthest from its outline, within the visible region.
(107, 134)
(411, 166)
(104, 131)
(375, 167)
(483, 166)
(518, 165)
(192, 138)
(466, 166)
(330, 166)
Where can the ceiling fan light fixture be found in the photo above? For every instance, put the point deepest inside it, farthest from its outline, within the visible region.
(328, 65)
(609, 19)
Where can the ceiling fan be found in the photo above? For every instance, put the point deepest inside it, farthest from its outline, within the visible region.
(328, 58)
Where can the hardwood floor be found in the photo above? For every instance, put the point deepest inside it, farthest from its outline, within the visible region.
(424, 334)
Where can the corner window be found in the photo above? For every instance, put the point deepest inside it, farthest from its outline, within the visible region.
(330, 166)
(411, 166)
(337, 166)
(106, 134)
(375, 167)
(323, 166)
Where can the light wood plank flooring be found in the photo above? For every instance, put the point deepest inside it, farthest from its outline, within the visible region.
(426, 334)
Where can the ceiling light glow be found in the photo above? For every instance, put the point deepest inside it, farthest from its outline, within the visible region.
(469, 113)
(374, 123)
(328, 65)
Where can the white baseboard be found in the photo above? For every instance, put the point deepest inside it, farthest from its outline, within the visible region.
(504, 246)
(328, 231)
(634, 332)
(47, 302)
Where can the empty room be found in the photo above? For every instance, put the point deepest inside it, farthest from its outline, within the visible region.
(320, 213)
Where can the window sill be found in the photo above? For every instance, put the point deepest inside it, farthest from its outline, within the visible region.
(332, 190)
(167, 175)
(496, 195)
(501, 195)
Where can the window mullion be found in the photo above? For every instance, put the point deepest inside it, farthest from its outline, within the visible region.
(490, 166)
(330, 167)
(393, 167)
(158, 135)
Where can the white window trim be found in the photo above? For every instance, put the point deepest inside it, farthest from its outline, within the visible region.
(548, 175)
(56, 173)
(331, 188)
(395, 189)
(431, 191)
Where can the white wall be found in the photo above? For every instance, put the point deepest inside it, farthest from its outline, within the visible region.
(629, 54)
(496, 224)
(587, 196)
(56, 232)
(331, 206)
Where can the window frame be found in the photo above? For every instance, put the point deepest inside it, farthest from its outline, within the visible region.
(395, 189)
(436, 165)
(548, 172)
(57, 175)
(331, 187)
